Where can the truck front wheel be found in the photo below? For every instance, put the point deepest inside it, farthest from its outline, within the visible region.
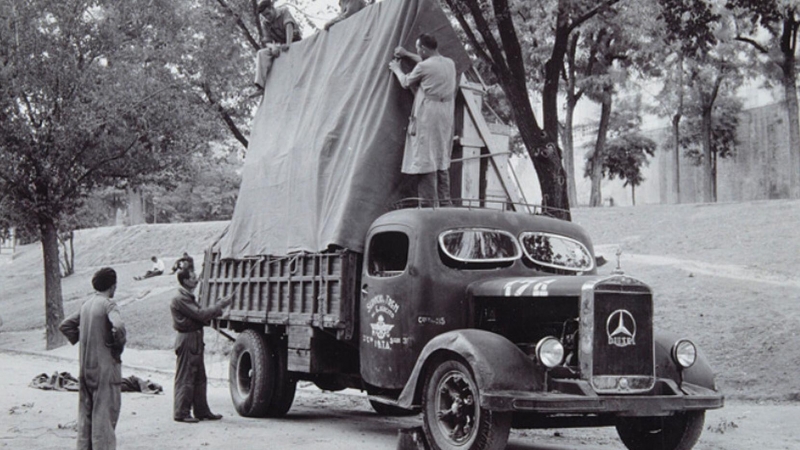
(452, 416)
(250, 375)
(677, 432)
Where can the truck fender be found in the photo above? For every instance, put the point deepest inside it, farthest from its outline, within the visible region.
(700, 374)
(496, 363)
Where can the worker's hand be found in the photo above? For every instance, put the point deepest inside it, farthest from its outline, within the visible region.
(400, 52)
(224, 303)
(394, 65)
(285, 47)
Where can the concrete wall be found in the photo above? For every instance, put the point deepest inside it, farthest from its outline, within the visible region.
(759, 169)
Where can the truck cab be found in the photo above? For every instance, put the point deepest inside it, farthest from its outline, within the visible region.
(483, 319)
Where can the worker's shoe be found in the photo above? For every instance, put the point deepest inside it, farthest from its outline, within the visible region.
(186, 419)
(211, 416)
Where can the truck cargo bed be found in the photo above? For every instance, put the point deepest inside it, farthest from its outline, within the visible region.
(304, 289)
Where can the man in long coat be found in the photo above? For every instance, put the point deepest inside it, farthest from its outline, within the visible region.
(188, 319)
(101, 332)
(429, 138)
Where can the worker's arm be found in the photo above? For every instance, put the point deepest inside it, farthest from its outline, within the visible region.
(289, 35)
(410, 80)
(118, 332)
(401, 52)
(70, 327)
(199, 314)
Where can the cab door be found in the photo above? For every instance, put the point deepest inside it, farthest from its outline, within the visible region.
(386, 310)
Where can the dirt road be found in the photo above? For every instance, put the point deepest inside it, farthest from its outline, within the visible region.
(37, 419)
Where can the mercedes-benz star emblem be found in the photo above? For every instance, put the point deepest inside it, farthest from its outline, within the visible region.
(621, 328)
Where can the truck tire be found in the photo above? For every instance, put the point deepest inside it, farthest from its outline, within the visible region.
(452, 416)
(285, 386)
(251, 374)
(677, 432)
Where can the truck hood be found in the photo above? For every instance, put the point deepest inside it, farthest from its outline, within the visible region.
(555, 286)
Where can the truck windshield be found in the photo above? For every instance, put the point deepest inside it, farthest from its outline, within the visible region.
(479, 245)
(555, 251)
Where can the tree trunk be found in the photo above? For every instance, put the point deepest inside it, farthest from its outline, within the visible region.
(569, 118)
(707, 169)
(54, 306)
(599, 148)
(543, 150)
(633, 195)
(676, 134)
(569, 153)
(714, 177)
(135, 207)
(676, 139)
(790, 94)
(552, 70)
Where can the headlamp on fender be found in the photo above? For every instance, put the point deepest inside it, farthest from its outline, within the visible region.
(684, 353)
(550, 352)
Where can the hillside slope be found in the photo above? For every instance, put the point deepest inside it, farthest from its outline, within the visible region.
(724, 275)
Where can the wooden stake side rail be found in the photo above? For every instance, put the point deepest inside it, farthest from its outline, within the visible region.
(305, 289)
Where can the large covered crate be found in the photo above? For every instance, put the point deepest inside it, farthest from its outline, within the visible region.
(305, 289)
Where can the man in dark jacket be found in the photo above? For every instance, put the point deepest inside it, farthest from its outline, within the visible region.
(99, 328)
(188, 319)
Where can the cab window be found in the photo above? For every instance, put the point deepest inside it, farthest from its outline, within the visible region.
(478, 248)
(556, 252)
(388, 254)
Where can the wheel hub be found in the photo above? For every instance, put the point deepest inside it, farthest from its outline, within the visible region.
(455, 407)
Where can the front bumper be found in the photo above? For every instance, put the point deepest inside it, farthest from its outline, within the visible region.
(667, 398)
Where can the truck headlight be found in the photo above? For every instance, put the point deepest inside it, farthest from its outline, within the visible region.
(550, 351)
(684, 353)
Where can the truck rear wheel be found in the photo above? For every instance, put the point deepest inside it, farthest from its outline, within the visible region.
(285, 386)
(677, 432)
(452, 416)
(250, 374)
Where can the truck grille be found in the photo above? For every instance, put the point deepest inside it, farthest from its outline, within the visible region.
(616, 328)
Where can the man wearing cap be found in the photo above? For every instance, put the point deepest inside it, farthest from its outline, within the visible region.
(429, 137)
(99, 328)
(188, 319)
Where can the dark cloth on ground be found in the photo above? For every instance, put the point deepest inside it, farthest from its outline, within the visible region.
(64, 381)
(191, 384)
(99, 328)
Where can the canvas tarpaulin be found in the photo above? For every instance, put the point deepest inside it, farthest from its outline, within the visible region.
(327, 140)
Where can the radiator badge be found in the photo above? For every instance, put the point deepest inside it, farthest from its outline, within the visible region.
(621, 328)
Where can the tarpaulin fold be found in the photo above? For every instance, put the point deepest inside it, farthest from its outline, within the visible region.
(327, 140)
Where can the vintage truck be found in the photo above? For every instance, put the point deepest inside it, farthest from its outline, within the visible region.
(482, 316)
(483, 319)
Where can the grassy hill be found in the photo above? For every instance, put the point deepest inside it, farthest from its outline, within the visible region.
(724, 275)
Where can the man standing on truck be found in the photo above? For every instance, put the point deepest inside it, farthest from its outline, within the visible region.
(188, 319)
(429, 139)
(99, 328)
(280, 30)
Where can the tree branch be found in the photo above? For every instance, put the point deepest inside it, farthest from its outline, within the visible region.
(240, 23)
(226, 117)
(77, 182)
(589, 14)
(751, 41)
(508, 36)
(497, 58)
(468, 31)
